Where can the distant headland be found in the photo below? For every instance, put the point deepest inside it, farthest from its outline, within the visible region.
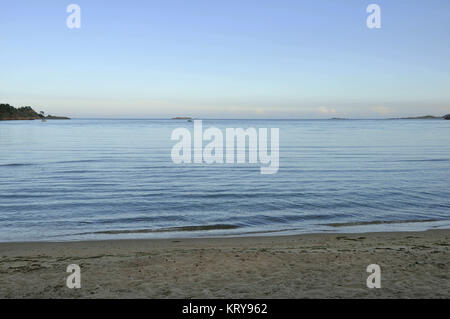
(424, 117)
(10, 113)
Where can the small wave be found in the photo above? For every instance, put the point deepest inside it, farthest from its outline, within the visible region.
(138, 219)
(257, 232)
(379, 222)
(16, 164)
(163, 230)
(426, 160)
(74, 171)
(77, 161)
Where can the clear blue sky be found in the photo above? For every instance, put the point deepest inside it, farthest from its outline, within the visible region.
(217, 58)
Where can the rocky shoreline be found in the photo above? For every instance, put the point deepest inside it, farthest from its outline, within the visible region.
(10, 113)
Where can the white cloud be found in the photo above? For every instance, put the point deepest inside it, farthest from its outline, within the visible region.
(324, 110)
(381, 109)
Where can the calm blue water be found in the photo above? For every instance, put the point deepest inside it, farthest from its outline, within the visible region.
(99, 179)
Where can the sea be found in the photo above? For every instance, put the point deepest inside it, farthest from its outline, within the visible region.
(95, 179)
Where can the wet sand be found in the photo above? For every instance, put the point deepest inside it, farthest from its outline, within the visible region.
(413, 265)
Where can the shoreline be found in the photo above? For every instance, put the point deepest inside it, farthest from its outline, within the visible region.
(320, 265)
(240, 236)
(201, 231)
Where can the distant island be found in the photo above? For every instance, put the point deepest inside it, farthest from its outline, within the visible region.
(10, 113)
(424, 117)
(182, 118)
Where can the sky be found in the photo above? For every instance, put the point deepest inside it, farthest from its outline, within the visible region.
(226, 59)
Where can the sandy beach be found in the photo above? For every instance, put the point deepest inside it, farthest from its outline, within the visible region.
(413, 265)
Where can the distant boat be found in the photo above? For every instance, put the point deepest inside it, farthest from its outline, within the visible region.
(43, 120)
(189, 120)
